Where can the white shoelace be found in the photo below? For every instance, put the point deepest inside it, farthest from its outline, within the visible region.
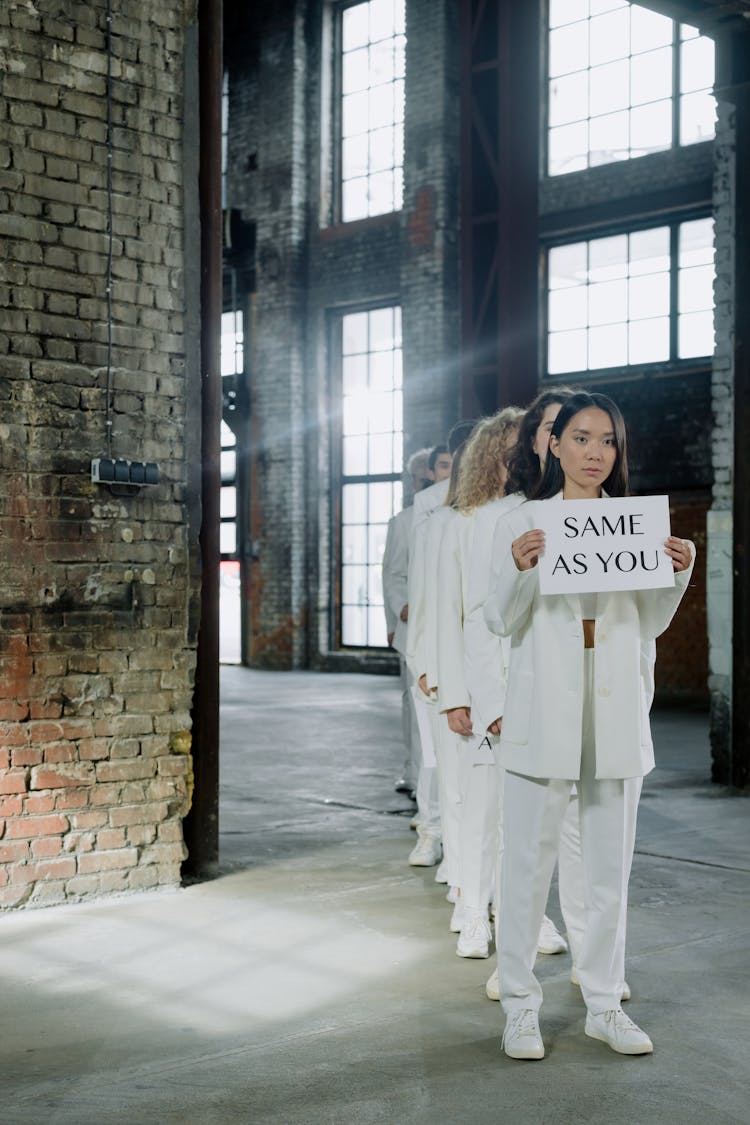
(522, 1023)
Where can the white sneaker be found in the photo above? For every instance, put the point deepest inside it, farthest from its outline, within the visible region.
(619, 1031)
(625, 986)
(457, 918)
(550, 938)
(453, 895)
(522, 1038)
(441, 875)
(427, 850)
(492, 987)
(474, 939)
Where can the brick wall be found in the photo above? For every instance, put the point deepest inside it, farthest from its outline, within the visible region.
(96, 659)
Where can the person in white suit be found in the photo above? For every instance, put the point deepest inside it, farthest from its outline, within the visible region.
(427, 852)
(486, 659)
(396, 608)
(481, 477)
(575, 712)
(421, 651)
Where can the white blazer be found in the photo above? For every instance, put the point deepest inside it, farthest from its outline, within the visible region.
(485, 654)
(396, 576)
(451, 580)
(543, 718)
(425, 503)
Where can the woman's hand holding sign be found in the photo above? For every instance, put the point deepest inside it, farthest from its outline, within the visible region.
(527, 549)
(679, 552)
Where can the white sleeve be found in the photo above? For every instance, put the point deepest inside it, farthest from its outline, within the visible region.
(452, 690)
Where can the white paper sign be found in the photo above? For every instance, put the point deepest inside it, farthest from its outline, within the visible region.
(593, 546)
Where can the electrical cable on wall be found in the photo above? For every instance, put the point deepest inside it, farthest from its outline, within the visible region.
(107, 470)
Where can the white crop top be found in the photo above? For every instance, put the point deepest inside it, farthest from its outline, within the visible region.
(588, 607)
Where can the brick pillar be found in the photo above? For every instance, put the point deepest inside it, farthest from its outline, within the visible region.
(429, 265)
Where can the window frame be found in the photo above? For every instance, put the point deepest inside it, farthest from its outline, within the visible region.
(675, 102)
(335, 217)
(674, 364)
(336, 467)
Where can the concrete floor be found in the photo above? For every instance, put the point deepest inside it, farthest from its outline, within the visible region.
(315, 982)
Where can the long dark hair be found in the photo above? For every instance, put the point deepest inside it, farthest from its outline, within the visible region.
(523, 463)
(553, 477)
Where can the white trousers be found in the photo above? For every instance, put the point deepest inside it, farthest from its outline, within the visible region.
(409, 725)
(478, 829)
(534, 811)
(447, 750)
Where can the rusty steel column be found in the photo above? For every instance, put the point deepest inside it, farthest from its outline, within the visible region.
(202, 823)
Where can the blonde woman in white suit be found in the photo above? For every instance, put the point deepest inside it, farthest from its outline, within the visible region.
(575, 713)
(481, 478)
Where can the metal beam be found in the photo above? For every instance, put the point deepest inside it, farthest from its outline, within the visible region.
(202, 824)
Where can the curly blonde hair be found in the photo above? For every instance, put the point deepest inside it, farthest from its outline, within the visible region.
(484, 459)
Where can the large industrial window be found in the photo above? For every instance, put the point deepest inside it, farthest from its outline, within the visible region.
(636, 298)
(371, 461)
(232, 366)
(371, 108)
(623, 81)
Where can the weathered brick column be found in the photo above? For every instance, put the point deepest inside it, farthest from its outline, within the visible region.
(96, 653)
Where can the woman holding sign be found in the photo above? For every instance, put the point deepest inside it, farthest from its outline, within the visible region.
(575, 713)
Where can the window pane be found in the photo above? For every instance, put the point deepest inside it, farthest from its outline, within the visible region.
(567, 148)
(354, 71)
(696, 64)
(608, 258)
(355, 333)
(567, 265)
(381, 330)
(382, 63)
(596, 7)
(695, 334)
(354, 544)
(648, 29)
(697, 118)
(568, 308)
(354, 626)
(356, 413)
(354, 153)
(381, 19)
(227, 436)
(696, 288)
(228, 503)
(354, 503)
(228, 538)
(228, 465)
(649, 251)
(569, 48)
(608, 346)
(608, 302)
(376, 634)
(609, 87)
(355, 114)
(381, 149)
(355, 457)
(609, 36)
(354, 24)
(381, 371)
(354, 200)
(648, 296)
(569, 98)
(696, 243)
(609, 138)
(380, 195)
(651, 76)
(651, 127)
(375, 585)
(354, 374)
(381, 502)
(649, 341)
(567, 352)
(377, 536)
(567, 11)
(354, 585)
(381, 457)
